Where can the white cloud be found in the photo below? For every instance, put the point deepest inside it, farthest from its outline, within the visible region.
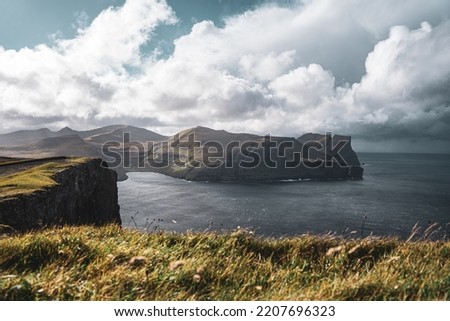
(77, 78)
(81, 20)
(408, 80)
(304, 88)
(271, 69)
(265, 67)
(115, 36)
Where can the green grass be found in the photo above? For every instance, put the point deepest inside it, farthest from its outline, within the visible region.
(109, 263)
(33, 179)
(9, 160)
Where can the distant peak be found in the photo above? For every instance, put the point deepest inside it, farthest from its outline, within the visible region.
(65, 129)
(201, 128)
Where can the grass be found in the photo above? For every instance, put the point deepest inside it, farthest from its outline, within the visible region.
(33, 179)
(9, 160)
(109, 263)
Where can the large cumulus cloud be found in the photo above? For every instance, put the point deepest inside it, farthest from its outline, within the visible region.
(378, 70)
(76, 80)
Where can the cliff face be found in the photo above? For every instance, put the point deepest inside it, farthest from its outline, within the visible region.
(130, 149)
(332, 158)
(86, 194)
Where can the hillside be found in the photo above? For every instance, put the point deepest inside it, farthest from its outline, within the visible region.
(27, 176)
(97, 135)
(233, 150)
(109, 263)
(40, 193)
(24, 137)
(204, 134)
(68, 145)
(242, 156)
(117, 135)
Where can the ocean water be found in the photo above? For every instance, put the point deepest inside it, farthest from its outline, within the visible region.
(398, 191)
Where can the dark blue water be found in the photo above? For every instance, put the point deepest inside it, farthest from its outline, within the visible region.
(398, 191)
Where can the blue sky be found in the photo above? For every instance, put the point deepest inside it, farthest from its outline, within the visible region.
(26, 23)
(378, 70)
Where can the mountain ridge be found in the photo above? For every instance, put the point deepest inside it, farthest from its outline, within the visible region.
(321, 160)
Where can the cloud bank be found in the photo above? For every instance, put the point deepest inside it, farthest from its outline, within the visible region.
(377, 70)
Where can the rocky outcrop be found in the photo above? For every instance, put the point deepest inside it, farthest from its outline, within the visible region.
(130, 149)
(86, 194)
(245, 157)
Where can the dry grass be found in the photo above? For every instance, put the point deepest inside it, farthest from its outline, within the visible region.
(33, 179)
(109, 263)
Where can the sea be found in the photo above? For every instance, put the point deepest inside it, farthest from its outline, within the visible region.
(399, 193)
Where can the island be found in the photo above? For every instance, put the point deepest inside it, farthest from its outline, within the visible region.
(197, 154)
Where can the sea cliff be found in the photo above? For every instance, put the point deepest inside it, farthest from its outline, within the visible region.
(73, 192)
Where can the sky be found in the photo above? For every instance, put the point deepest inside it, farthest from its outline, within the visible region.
(378, 70)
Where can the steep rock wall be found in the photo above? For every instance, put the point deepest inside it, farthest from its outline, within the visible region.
(86, 194)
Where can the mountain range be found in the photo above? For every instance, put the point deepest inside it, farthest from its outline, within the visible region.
(146, 147)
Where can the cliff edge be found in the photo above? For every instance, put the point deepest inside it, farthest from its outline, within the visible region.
(204, 154)
(59, 191)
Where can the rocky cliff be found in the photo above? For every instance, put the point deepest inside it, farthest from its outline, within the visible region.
(243, 157)
(233, 156)
(84, 193)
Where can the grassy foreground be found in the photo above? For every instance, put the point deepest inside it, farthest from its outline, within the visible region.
(109, 263)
